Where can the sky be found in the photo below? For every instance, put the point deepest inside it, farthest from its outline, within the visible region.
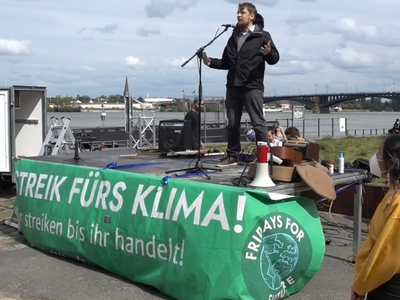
(89, 47)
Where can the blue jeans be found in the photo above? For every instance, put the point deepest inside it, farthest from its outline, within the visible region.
(251, 136)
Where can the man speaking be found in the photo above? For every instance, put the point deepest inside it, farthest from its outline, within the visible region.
(244, 56)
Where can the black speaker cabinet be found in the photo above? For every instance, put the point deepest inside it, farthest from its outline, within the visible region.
(174, 135)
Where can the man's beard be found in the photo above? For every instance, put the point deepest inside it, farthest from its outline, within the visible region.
(244, 25)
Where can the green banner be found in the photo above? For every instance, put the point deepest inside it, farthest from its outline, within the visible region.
(189, 239)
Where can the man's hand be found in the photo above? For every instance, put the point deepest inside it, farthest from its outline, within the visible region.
(266, 49)
(207, 61)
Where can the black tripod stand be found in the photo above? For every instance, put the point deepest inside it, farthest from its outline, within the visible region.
(77, 147)
(199, 168)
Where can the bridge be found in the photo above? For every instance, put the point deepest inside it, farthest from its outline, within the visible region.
(322, 102)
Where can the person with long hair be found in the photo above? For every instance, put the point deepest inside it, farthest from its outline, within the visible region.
(279, 131)
(274, 141)
(377, 265)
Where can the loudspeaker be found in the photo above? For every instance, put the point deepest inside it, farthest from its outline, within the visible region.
(262, 178)
(174, 135)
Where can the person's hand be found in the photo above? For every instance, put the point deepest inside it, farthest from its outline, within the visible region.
(266, 49)
(354, 296)
(207, 61)
(201, 145)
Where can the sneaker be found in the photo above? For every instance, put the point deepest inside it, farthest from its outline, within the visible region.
(228, 161)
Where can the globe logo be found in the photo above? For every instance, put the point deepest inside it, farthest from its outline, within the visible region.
(279, 256)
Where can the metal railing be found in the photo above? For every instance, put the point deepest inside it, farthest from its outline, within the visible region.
(145, 132)
(330, 127)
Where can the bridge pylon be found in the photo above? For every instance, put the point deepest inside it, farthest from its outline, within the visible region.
(316, 107)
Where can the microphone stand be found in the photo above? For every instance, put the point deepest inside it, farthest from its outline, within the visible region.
(199, 168)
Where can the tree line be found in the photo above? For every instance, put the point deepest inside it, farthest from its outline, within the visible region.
(68, 103)
(71, 104)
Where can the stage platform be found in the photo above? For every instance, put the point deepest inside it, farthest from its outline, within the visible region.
(157, 164)
(149, 163)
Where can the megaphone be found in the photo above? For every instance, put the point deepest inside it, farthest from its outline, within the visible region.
(262, 178)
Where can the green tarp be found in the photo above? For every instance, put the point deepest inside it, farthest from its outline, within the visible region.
(191, 240)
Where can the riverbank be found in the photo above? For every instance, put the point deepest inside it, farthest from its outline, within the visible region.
(352, 147)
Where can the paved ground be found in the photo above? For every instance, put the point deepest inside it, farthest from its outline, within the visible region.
(27, 273)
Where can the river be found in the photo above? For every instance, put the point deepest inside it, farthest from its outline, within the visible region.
(370, 122)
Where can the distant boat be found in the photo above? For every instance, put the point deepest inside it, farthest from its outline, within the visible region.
(267, 109)
(338, 108)
(159, 100)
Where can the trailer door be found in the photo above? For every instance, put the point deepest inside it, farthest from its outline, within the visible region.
(5, 132)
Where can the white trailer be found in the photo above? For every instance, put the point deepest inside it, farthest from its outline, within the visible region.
(22, 124)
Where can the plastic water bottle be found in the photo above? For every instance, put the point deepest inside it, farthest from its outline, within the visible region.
(331, 168)
(341, 163)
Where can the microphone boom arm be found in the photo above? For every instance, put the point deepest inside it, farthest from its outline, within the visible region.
(199, 168)
(201, 49)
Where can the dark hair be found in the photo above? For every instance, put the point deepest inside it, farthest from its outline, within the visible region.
(391, 157)
(292, 131)
(250, 7)
(271, 128)
(196, 101)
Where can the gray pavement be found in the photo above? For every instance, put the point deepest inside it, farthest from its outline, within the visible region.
(28, 273)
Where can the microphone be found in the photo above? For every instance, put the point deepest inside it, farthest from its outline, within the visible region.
(228, 25)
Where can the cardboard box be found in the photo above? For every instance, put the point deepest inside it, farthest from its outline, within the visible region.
(311, 173)
(251, 172)
(284, 173)
(280, 173)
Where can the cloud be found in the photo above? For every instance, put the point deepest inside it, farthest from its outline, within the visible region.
(177, 62)
(132, 61)
(14, 47)
(110, 28)
(269, 3)
(297, 18)
(163, 8)
(86, 68)
(350, 59)
(320, 42)
(350, 28)
(296, 67)
(148, 30)
(367, 34)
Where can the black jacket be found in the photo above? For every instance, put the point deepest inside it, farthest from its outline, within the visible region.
(246, 68)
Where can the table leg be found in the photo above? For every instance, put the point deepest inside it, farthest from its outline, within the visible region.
(357, 219)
